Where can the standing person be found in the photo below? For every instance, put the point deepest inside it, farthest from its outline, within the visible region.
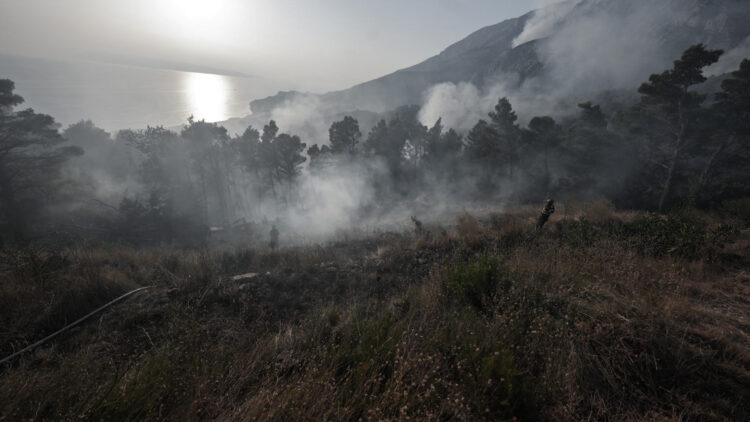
(417, 225)
(274, 242)
(549, 208)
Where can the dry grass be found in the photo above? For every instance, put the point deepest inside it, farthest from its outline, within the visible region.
(474, 322)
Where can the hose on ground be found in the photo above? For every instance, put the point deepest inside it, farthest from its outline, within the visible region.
(73, 324)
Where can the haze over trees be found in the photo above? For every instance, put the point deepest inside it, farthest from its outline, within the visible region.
(32, 153)
(674, 147)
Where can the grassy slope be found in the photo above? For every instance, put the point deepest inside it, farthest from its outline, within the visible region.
(614, 316)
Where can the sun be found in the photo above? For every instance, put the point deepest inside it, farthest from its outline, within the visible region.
(208, 25)
(199, 22)
(196, 11)
(207, 96)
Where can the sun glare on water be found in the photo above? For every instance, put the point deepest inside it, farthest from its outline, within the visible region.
(207, 96)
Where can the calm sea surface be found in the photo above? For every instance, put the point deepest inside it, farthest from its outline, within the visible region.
(117, 97)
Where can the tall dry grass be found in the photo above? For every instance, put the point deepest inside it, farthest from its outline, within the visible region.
(477, 321)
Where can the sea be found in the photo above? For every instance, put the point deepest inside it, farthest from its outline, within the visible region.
(116, 96)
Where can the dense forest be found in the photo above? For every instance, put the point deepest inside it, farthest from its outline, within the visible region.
(674, 147)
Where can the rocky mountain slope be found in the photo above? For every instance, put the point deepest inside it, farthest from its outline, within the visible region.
(581, 45)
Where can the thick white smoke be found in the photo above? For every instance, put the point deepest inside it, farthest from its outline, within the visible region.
(587, 47)
(303, 115)
(545, 20)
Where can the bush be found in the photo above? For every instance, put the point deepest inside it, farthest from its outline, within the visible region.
(577, 233)
(476, 281)
(468, 228)
(681, 234)
(737, 208)
(488, 375)
(599, 210)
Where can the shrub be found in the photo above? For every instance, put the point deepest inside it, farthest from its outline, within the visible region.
(475, 282)
(487, 373)
(599, 210)
(468, 228)
(738, 208)
(577, 233)
(681, 234)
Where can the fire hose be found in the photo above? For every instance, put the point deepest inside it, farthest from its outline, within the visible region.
(73, 324)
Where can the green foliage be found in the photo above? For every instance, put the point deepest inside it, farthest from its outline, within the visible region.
(289, 157)
(344, 135)
(670, 116)
(487, 372)
(476, 281)
(162, 382)
(503, 121)
(737, 208)
(238, 261)
(578, 233)
(681, 234)
(32, 153)
(543, 136)
(365, 356)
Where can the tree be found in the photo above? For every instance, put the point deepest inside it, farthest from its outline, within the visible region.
(731, 142)
(248, 149)
(503, 122)
(162, 169)
(544, 134)
(344, 135)
(482, 145)
(672, 111)
(591, 117)
(166, 208)
(289, 150)
(483, 149)
(442, 152)
(206, 143)
(589, 152)
(320, 157)
(268, 158)
(32, 152)
(289, 156)
(376, 139)
(107, 166)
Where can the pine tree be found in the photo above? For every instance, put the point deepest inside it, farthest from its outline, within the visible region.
(32, 152)
(671, 111)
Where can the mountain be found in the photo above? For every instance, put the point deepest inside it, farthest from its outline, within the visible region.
(463, 61)
(544, 61)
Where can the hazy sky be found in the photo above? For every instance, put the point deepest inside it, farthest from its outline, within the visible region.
(306, 44)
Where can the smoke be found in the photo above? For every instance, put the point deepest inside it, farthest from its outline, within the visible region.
(731, 59)
(600, 47)
(305, 116)
(544, 20)
(327, 200)
(459, 105)
(584, 47)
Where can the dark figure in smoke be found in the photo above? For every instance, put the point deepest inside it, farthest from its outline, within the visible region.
(549, 208)
(274, 242)
(417, 225)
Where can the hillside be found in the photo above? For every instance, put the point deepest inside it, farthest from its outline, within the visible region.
(580, 46)
(603, 315)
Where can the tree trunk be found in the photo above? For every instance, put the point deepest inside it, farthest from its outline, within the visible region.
(703, 179)
(14, 218)
(205, 198)
(668, 183)
(679, 144)
(546, 172)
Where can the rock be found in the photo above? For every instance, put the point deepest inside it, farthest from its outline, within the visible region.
(244, 277)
